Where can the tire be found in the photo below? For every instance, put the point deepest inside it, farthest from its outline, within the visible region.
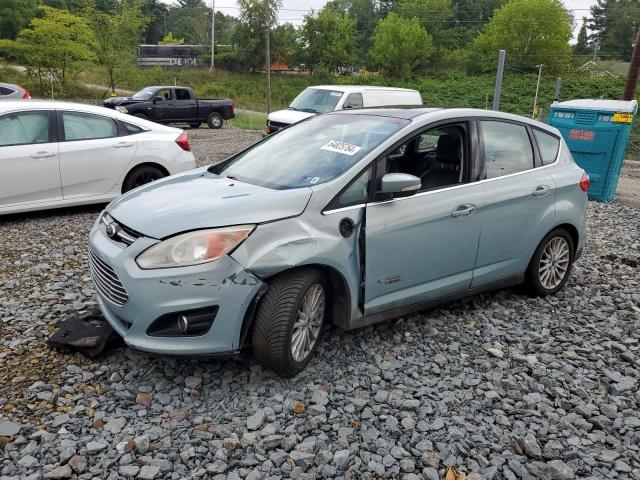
(140, 176)
(279, 309)
(194, 125)
(550, 266)
(215, 120)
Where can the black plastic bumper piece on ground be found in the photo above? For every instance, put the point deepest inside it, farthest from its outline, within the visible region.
(87, 333)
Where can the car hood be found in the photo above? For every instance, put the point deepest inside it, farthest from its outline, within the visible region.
(198, 199)
(289, 116)
(121, 101)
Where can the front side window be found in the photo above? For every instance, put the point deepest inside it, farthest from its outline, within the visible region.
(356, 193)
(85, 126)
(182, 94)
(316, 100)
(507, 148)
(24, 128)
(311, 152)
(163, 95)
(548, 146)
(354, 100)
(435, 156)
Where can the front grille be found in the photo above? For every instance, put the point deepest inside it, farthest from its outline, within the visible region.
(123, 234)
(275, 126)
(106, 281)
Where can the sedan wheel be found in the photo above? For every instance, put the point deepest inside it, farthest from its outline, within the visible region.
(141, 176)
(289, 321)
(307, 327)
(551, 264)
(554, 263)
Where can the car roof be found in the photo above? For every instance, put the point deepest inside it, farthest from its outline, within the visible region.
(424, 113)
(9, 105)
(164, 86)
(359, 88)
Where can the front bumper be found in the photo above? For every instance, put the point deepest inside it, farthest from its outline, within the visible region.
(154, 293)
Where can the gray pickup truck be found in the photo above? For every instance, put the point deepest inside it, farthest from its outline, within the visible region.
(170, 104)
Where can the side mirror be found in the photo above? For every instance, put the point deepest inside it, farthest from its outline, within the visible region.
(399, 185)
(158, 99)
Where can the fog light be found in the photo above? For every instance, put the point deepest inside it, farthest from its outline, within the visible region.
(190, 323)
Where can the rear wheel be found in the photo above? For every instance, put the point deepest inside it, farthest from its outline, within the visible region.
(551, 264)
(140, 176)
(215, 120)
(289, 321)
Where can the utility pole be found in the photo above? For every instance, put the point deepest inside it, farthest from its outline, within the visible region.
(634, 72)
(268, 53)
(213, 34)
(535, 99)
(499, 74)
(556, 95)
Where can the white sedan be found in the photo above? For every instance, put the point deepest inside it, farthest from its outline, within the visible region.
(57, 154)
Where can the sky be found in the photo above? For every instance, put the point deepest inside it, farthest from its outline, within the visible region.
(293, 11)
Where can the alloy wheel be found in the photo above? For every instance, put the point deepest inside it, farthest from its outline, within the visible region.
(554, 263)
(306, 328)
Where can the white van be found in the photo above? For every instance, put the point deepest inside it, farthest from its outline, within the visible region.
(326, 98)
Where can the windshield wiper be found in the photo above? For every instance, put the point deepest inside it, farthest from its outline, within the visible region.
(308, 110)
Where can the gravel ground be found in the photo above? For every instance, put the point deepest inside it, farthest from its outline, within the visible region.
(497, 386)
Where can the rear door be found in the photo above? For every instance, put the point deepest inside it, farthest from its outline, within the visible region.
(185, 105)
(519, 204)
(29, 159)
(93, 153)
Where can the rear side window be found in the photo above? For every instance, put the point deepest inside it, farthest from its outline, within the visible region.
(548, 146)
(507, 148)
(132, 129)
(6, 91)
(182, 94)
(25, 128)
(84, 126)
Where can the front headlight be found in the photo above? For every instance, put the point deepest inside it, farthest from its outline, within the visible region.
(122, 109)
(193, 248)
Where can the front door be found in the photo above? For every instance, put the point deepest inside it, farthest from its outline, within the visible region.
(92, 155)
(423, 247)
(29, 159)
(163, 106)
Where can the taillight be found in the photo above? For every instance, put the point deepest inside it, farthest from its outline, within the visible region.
(26, 95)
(183, 141)
(585, 182)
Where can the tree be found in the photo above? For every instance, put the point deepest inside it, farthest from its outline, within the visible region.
(400, 46)
(191, 20)
(156, 13)
(169, 39)
(532, 32)
(15, 15)
(365, 14)
(283, 45)
(581, 48)
(257, 17)
(614, 24)
(327, 39)
(116, 37)
(259, 14)
(52, 47)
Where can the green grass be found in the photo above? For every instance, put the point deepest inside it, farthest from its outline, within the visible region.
(249, 120)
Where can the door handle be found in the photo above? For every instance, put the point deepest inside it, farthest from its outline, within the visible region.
(541, 191)
(43, 155)
(124, 144)
(463, 210)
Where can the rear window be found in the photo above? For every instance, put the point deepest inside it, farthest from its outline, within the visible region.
(132, 129)
(548, 145)
(6, 91)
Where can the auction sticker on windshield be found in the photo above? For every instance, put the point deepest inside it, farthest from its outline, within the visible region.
(341, 147)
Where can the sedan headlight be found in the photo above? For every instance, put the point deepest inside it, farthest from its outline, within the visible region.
(122, 109)
(193, 248)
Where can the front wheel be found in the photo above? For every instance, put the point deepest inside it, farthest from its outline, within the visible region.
(551, 264)
(140, 176)
(289, 321)
(215, 120)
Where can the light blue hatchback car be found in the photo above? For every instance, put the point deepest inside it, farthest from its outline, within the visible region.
(351, 217)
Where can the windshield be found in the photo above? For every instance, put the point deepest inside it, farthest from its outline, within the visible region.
(316, 100)
(311, 152)
(144, 94)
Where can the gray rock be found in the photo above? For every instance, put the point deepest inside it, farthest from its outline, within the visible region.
(341, 460)
(9, 429)
(256, 421)
(193, 382)
(28, 461)
(78, 463)
(320, 397)
(148, 472)
(558, 470)
(59, 472)
(531, 446)
(95, 447)
(302, 459)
